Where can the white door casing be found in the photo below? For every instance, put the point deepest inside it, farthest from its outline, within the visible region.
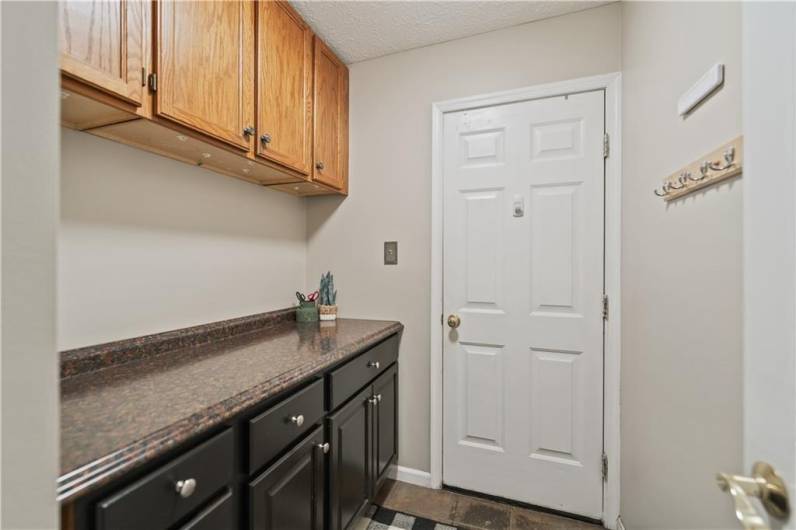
(523, 375)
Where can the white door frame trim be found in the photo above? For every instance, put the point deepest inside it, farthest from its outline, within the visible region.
(611, 83)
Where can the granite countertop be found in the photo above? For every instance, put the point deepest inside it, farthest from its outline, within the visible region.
(119, 416)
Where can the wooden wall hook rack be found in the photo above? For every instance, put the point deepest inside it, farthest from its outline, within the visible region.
(721, 164)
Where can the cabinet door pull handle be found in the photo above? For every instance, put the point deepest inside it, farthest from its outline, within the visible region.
(373, 364)
(266, 138)
(298, 420)
(324, 447)
(249, 131)
(185, 487)
(372, 400)
(319, 166)
(378, 398)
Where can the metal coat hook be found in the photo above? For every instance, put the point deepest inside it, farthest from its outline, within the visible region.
(681, 186)
(729, 156)
(664, 191)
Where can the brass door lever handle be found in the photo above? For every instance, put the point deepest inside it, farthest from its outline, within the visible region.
(764, 484)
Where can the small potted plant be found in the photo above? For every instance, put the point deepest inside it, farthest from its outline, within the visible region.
(328, 298)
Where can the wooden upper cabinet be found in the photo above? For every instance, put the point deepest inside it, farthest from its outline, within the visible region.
(205, 67)
(103, 44)
(330, 119)
(284, 86)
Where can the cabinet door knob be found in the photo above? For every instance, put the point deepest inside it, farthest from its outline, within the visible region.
(373, 364)
(266, 138)
(378, 398)
(249, 131)
(298, 420)
(185, 487)
(324, 447)
(372, 400)
(319, 166)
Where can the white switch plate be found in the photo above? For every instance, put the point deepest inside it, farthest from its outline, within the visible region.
(709, 82)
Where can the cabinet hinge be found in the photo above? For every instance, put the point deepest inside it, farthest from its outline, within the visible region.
(605, 307)
(606, 145)
(605, 467)
(153, 82)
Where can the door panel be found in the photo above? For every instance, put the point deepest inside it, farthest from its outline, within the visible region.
(386, 424)
(350, 435)
(523, 247)
(330, 118)
(205, 63)
(284, 86)
(103, 43)
(290, 494)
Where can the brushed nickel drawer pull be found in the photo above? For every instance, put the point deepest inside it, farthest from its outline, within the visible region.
(298, 420)
(185, 487)
(374, 364)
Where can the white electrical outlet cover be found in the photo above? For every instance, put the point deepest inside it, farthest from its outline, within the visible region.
(709, 82)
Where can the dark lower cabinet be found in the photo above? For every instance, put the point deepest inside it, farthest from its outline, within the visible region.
(325, 448)
(385, 434)
(363, 437)
(350, 434)
(290, 494)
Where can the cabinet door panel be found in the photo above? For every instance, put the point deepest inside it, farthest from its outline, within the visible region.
(284, 86)
(103, 44)
(350, 435)
(206, 67)
(386, 423)
(330, 118)
(290, 494)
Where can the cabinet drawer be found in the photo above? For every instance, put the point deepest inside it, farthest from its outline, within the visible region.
(218, 516)
(349, 378)
(275, 429)
(154, 503)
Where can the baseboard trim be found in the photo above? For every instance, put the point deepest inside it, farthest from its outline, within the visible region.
(410, 476)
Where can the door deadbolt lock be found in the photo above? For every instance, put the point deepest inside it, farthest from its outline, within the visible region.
(454, 321)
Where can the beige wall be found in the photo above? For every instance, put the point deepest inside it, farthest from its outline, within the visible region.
(29, 169)
(390, 171)
(148, 244)
(681, 271)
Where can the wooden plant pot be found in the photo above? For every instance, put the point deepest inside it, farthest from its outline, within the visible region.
(327, 312)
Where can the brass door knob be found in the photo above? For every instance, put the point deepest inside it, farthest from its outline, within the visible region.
(454, 321)
(764, 484)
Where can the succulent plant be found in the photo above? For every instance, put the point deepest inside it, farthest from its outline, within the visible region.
(328, 294)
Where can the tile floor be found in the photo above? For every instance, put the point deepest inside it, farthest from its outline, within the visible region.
(469, 512)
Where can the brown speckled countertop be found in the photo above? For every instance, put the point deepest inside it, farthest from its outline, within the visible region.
(120, 416)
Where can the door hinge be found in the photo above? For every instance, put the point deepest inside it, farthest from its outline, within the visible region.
(153, 82)
(605, 307)
(143, 76)
(605, 467)
(606, 145)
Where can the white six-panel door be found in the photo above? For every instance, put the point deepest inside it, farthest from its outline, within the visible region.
(523, 269)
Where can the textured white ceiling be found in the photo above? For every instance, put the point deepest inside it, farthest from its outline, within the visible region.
(360, 30)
